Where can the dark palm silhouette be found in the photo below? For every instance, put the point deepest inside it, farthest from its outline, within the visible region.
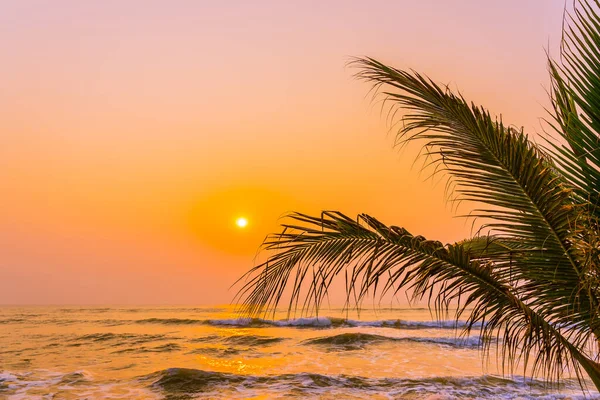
(531, 276)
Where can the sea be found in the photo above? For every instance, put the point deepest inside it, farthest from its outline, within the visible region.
(184, 352)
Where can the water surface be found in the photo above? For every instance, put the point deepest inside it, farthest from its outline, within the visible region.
(208, 352)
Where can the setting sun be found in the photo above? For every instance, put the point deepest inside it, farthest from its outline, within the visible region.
(241, 222)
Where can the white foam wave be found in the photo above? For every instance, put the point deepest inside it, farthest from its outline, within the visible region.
(315, 321)
(323, 322)
(233, 321)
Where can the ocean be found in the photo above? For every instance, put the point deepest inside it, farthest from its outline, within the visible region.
(210, 353)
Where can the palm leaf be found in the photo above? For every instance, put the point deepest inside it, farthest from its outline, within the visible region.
(313, 251)
(515, 185)
(576, 103)
(533, 279)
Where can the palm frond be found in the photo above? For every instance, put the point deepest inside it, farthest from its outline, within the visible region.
(515, 186)
(534, 277)
(576, 103)
(376, 259)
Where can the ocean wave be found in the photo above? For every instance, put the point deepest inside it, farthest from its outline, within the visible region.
(71, 385)
(108, 322)
(218, 352)
(182, 383)
(165, 348)
(409, 324)
(246, 322)
(61, 321)
(205, 339)
(13, 321)
(19, 380)
(252, 340)
(75, 378)
(7, 379)
(175, 382)
(307, 322)
(122, 338)
(239, 322)
(97, 310)
(172, 310)
(169, 321)
(356, 341)
(232, 345)
(18, 351)
(332, 322)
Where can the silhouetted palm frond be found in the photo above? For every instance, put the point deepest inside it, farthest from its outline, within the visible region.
(534, 278)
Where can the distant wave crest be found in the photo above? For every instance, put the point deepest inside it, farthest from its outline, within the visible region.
(329, 322)
(311, 322)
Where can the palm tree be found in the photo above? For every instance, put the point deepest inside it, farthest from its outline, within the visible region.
(531, 276)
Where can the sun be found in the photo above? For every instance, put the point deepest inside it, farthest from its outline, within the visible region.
(241, 222)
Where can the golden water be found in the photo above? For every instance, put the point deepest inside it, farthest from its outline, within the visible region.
(207, 352)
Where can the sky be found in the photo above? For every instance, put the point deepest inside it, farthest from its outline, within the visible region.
(134, 134)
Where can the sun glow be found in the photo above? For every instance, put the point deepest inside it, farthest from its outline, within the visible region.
(241, 222)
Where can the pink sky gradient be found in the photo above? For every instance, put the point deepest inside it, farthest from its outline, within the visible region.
(134, 133)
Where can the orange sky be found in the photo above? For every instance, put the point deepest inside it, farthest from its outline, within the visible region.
(134, 133)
